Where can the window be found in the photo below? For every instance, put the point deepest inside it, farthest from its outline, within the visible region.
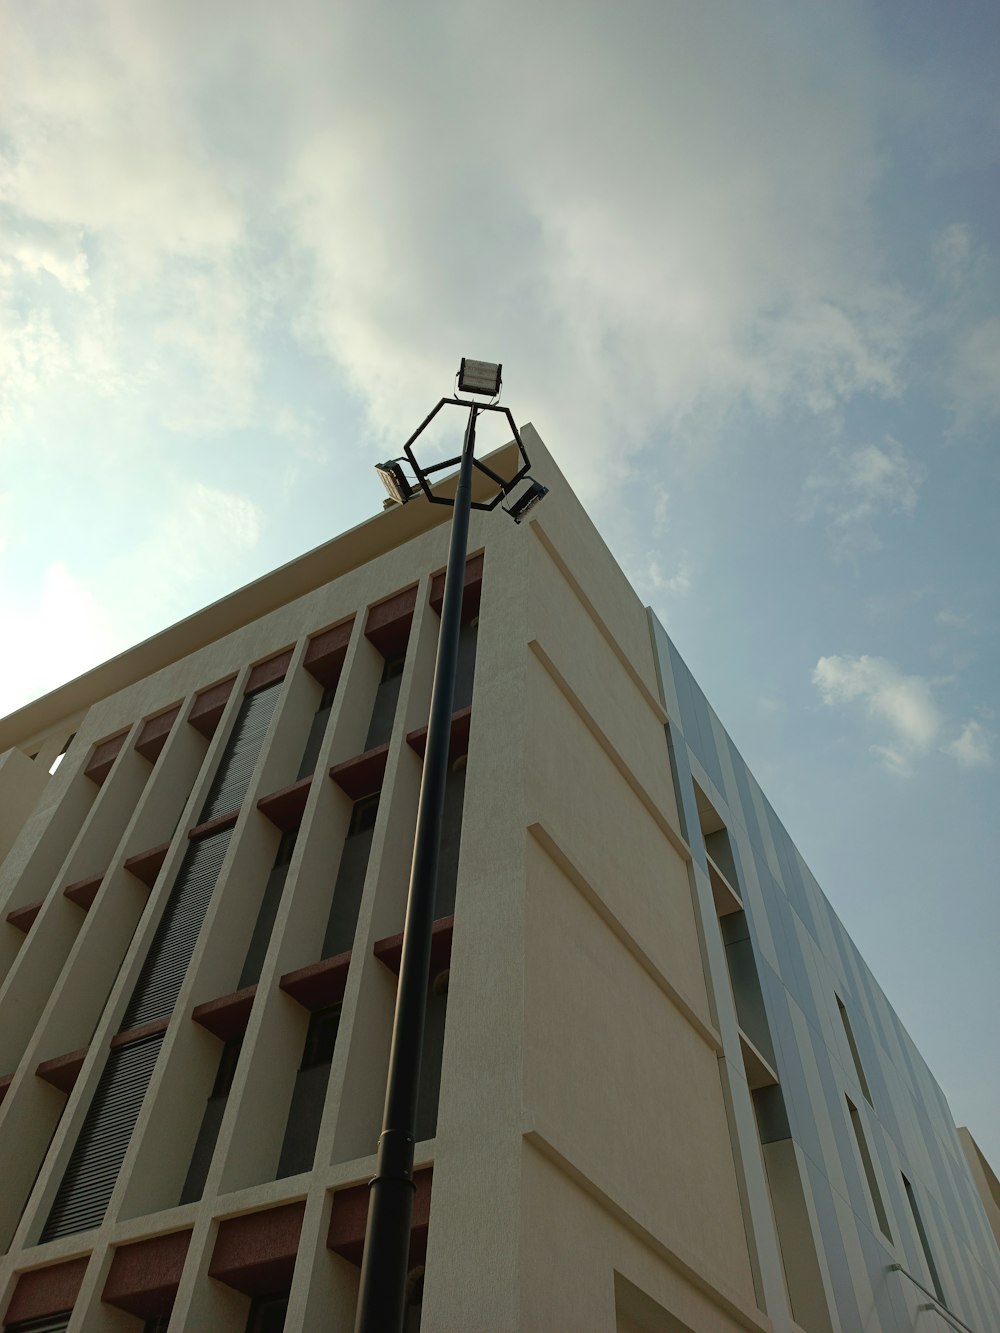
(869, 1168)
(849, 1032)
(211, 1122)
(384, 708)
(414, 1299)
(918, 1222)
(267, 1314)
(305, 1113)
(316, 733)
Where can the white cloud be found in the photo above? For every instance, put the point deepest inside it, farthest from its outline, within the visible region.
(860, 487)
(632, 246)
(906, 704)
(203, 535)
(677, 584)
(60, 633)
(954, 247)
(975, 375)
(955, 620)
(973, 747)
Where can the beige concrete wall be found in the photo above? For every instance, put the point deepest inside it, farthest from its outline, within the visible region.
(582, 1141)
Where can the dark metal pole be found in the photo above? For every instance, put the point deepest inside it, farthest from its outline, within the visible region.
(390, 1204)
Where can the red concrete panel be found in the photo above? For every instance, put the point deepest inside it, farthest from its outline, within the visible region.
(154, 733)
(286, 807)
(255, 1253)
(472, 588)
(325, 652)
(46, 1291)
(349, 1218)
(83, 891)
(144, 1277)
(63, 1071)
(23, 918)
(147, 865)
(266, 673)
(362, 775)
(320, 984)
(103, 756)
(227, 1017)
(388, 623)
(461, 725)
(130, 1035)
(390, 950)
(208, 707)
(215, 825)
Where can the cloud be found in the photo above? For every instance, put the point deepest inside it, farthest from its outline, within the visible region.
(199, 187)
(862, 486)
(954, 248)
(203, 535)
(60, 631)
(973, 748)
(975, 375)
(677, 584)
(906, 704)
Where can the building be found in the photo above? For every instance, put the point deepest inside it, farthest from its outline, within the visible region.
(661, 1089)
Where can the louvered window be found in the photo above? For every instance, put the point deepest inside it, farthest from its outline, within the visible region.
(167, 961)
(240, 756)
(53, 1323)
(264, 924)
(93, 1168)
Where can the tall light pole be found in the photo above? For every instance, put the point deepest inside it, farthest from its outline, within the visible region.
(390, 1205)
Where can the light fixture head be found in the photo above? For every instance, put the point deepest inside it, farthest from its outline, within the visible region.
(479, 377)
(394, 480)
(527, 500)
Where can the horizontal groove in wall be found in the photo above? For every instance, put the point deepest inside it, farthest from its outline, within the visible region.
(657, 815)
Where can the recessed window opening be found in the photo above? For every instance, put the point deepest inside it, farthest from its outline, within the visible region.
(869, 1169)
(386, 698)
(317, 731)
(393, 667)
(305, 1113)
(414, 1299)
(429, 1090)
(855, 1055)
(349, 887)
(321, 1037)
(211, 1122)
(918, 1222)
(61, 755)
(363, 815)
(267, 1314)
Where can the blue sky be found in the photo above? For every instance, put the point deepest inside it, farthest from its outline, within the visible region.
(741, 265)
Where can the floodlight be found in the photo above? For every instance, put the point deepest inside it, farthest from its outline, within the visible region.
(394, 481)
(479, 377)
(527, 500)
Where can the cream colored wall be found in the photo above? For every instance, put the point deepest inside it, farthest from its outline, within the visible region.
(576, 975)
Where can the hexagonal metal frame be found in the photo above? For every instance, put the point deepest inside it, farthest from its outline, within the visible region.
(423, 473)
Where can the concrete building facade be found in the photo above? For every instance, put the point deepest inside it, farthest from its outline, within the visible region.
(661, 1090)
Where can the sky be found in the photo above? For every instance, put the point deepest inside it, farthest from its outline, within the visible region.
(741, 263)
